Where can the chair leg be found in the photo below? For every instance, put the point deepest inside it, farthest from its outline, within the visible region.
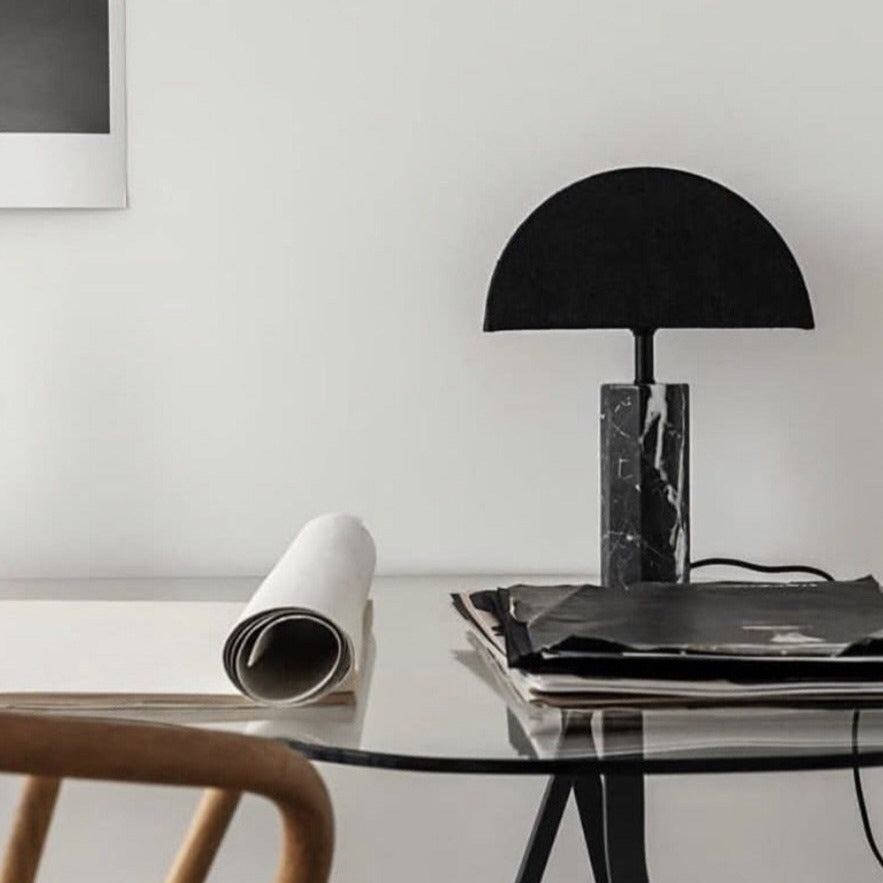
(204, 837)
(29, 830)
(545, 828)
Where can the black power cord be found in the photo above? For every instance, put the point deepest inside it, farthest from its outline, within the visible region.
(860, 791)
(761, 568)
(856, 715)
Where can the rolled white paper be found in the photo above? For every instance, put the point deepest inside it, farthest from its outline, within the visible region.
(300, 637)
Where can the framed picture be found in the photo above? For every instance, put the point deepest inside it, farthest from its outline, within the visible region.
(62, 104)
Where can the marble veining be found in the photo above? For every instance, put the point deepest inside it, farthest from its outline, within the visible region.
(644, 483)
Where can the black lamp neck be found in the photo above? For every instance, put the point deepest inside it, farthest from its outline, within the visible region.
(644, 355)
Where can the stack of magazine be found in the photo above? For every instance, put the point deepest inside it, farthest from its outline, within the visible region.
(660, 644)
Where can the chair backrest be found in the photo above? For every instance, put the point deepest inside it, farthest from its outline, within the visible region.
(48, 748)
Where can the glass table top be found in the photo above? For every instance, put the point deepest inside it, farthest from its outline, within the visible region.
(427, 701)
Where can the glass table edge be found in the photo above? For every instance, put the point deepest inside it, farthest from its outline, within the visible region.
(670, 764)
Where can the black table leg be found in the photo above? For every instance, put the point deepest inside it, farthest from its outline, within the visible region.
(611, 812)
(545, 829)
(624, 828)
(589, 794)
(616, 846)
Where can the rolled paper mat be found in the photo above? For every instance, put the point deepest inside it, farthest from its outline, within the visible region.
(300, 637)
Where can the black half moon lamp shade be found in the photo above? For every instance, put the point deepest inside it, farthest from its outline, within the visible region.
(644, 249)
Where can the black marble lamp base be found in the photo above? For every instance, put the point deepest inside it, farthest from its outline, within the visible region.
(645, 492)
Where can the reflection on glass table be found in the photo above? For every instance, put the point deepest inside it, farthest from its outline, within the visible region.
(431, 701)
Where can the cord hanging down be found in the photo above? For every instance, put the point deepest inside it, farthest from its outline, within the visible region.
(856, 715)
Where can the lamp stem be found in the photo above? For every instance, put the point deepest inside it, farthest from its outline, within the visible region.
(644, 355)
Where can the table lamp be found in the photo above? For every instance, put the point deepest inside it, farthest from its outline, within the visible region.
(644, 249)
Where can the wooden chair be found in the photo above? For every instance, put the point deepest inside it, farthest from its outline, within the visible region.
(47, 749)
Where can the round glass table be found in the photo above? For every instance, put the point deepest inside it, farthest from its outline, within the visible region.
(428, 701)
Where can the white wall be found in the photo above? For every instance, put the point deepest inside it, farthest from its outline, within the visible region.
(287, 320)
